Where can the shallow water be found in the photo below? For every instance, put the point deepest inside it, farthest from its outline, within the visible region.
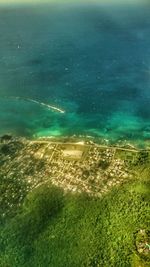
(92, 61)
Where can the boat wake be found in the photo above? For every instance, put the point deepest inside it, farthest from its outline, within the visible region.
(50, 107)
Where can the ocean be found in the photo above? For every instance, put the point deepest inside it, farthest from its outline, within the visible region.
(79, 69)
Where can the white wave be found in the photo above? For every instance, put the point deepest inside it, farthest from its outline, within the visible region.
(40, 103)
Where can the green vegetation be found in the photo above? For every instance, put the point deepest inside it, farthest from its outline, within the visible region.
(12, 193)
(10, 148)
(143, 158)
(56, 229)
(103, 164)
(142, 238)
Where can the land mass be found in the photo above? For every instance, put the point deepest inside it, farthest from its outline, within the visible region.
(54, 183)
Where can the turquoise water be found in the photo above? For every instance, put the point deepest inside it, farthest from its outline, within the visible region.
(91, 61)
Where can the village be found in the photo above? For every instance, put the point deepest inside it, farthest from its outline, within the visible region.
(74, 166)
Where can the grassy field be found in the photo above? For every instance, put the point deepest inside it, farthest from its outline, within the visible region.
(57, 230)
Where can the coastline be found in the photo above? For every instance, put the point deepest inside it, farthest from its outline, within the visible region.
(74, 163)
(86, 139)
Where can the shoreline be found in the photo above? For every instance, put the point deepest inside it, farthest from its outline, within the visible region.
(82, 140)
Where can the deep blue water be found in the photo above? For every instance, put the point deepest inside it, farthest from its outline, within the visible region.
(93, 61)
